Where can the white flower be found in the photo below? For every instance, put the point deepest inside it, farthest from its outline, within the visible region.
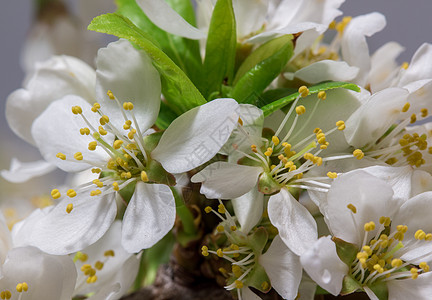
(277, 161)
(388, 248)
(29, 273)
(85, 137)
(278, 267)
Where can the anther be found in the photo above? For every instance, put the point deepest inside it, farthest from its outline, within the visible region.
(405, 65)
(322, 95)
(369, 226)
(358, 154)
(109, 253)
(238, 284)
(332, 175)
(424, 266)
(269, 152)
(61, 156)
(92, 145)
(110, 95)
(131, 134)
(84, 131)
(303, 91)
(78, 156)
(414, 273)
(92, 279)
(300, 110)
(76, 110)
(128, 106)
(204, 251)
(275, 140)
(424, 112)
(99, 265)
(69, 208)
(220, 228)
(340, 125)
(127, 125)
(208, 209)
(221, 209)
(144, 176)
(55, 193)
(219, 252)
(116, 186)
(95, 192)
(240, 121)
(406, 107)
(102, 131)
(96, 170)
(71, 193)
(352, 208)
(95, 107)
(104, 120)
(117, 144)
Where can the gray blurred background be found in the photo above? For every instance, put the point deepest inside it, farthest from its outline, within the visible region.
(408, 23)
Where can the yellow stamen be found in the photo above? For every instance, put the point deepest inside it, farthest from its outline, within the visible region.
(300, 110)
(69, 208)
(109, 253)
(78, 156)
(332, 175)
(358, 154)
(61, 156)
(55, 193)
(76, 110)
(275, 140)
(104, 120)
(340, 125)
(110, 95)
(144, 176)
(303, 91)
(406, 107)
(117, 144)
(322, 95)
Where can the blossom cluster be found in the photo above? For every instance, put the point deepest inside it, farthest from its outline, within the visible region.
(262, 134)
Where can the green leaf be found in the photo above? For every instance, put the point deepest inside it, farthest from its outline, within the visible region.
(220, 48)
(349, 285)
(261, 53)
(347, 252)
(278, 104)
(180, 93)
(256, 80)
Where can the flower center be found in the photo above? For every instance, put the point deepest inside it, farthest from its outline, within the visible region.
(128, 158)
(379, 256)
(398, 147)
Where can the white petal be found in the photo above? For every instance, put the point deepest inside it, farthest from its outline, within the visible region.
(354, 47)
(419, 289)
(374, 117)
(250, 16)
(399, 178)
(420, 66)
(109, 275)
(249, 209)
(49, 277)
(197, 135)
(58, 232)
(307, 288)
(121, 281)
(222, 180)
(51, 80)
(283, 268)
(384, 66)
(57, 129)
(5, 239)
(421, 182)
(323, 265)
(163, 16)
(21, 171)
(327, 70)
(253, 119)
(150, 215)
(130, 75)
(296, 226)
(372, 197)
(415, 213)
